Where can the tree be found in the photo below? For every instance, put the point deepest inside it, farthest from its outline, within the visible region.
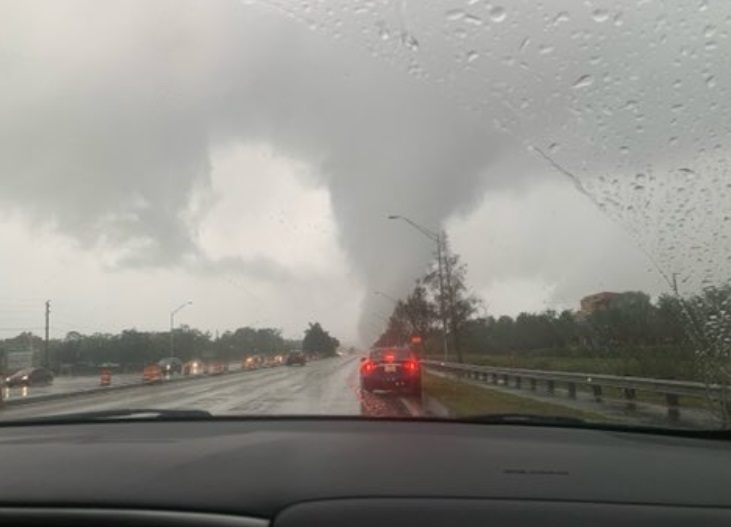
(317, 340)
(459, 305)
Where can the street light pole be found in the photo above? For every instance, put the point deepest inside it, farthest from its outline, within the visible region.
(172, 325)
(438, 238)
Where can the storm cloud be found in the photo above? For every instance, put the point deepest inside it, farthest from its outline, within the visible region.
(110, 115)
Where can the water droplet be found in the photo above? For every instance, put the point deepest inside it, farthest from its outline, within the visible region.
(600, 15)
(583, 82)
(410, 41)
(640, 176)
(460, 32)
(624, 150)
(498, 14)
(383, 31)
(711, 45)
(545, 49)
(524, 44)
(472, 56)
(711, 81)
(618, 20)
(639, 187)
(554, 147)
(455, 14)
(562, 16)
(677, 84)
(473, 20)
(709, 31)
(703, 6)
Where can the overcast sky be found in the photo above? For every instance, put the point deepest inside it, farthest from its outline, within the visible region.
(245, 156)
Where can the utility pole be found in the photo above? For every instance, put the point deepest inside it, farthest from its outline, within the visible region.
(442, 307)
(675, 283)
(45, 349)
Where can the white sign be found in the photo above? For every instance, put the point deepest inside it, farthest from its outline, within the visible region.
(18, 360)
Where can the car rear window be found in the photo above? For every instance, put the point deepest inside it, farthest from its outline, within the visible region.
(398, 354)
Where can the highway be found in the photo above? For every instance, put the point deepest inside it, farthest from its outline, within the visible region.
(326, 387)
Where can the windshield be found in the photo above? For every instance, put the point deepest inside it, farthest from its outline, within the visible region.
(533, 198)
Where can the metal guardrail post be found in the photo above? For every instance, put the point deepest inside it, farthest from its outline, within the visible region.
(673, 390)
(597, 389)
(673, 402)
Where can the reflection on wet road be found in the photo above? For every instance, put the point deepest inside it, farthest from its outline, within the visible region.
(326, 387)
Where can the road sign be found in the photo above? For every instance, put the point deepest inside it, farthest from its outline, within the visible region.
(18, 359)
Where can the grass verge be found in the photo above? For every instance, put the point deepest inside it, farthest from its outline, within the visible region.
(464, 399)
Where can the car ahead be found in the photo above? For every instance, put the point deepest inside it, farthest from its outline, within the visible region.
(296, 358)
(391, 369)
(30, 377)
(171, 366)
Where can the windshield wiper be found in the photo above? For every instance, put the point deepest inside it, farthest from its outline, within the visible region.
(153, 414)
(523, 419)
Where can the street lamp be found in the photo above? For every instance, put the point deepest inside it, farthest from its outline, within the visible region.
(437, 238)
(172, 325)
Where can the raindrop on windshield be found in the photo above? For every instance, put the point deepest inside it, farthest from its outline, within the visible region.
(583, 82)
(600, 15)
(497, 14)
(472, 56)
(562, 16)
(410, 41)
(455, 14)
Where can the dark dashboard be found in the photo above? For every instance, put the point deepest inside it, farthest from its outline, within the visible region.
(297, 472)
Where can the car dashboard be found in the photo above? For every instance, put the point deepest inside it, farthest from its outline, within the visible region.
(298, 472)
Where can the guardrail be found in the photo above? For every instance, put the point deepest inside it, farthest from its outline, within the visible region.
(673, 391)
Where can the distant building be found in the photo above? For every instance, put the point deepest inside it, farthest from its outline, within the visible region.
(596, 302)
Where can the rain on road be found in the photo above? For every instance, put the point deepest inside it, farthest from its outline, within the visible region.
(326, 387)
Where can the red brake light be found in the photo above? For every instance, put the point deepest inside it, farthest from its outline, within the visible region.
(367, 366)
(390, 358)
(411, 366)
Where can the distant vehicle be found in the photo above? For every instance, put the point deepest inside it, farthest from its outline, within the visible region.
(217, 367)
(171, 365)
(296, 358)
(251, 363)
(30, 377)
(195, 367)
(391, 369)
(152, 373)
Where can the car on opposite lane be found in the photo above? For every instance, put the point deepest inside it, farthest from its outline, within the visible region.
(391, 369)
(30, 377)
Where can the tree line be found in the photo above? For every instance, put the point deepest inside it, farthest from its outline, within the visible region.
(132, 348)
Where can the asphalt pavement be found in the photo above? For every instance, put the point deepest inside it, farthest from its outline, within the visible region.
(325, 387)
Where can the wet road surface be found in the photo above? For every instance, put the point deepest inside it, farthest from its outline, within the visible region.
(325, 387)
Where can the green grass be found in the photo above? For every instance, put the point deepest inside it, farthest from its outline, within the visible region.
(464, 399)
